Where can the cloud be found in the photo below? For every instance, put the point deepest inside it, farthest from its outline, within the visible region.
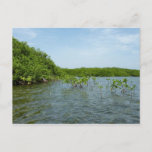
(127, 39)
(24, 32)
(112, 41)
(31, 43)
(102, 48)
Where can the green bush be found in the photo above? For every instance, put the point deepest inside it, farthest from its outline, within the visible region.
(31, 65)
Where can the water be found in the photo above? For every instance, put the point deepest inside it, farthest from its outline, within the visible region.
(58, 103)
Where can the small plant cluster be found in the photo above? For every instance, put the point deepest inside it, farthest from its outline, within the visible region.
(80, 82)
(75, 81)
(122, 85)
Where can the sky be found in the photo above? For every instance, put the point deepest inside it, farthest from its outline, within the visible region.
(86, 47)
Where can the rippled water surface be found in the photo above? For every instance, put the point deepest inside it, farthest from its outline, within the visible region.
(58, 103)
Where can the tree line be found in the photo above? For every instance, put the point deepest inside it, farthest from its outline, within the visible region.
(102, 72)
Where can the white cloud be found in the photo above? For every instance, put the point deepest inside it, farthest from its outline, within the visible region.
(31, 43)
(112, 41)
(91, 53)
(28, 33)
(127, 39)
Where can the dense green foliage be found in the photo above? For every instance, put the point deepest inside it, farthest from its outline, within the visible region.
(102, 72)
(31, 65)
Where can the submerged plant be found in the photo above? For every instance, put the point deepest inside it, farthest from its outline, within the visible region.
(94, 79)
(116, 84)
(122, 85)
(132, 88)
(75, 81)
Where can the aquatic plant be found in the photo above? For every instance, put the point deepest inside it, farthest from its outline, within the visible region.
(94, 80)
(75, 81)
(132, 88)
(122, 85)
(100, 87)
(115, 84)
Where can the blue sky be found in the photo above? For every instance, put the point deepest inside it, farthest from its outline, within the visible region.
(86, 47)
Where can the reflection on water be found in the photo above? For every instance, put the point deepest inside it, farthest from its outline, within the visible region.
(55, 102)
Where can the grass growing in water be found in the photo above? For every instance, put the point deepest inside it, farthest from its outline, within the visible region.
(115, 84)
(122, 85)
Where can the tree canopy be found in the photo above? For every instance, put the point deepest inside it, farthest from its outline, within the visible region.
(30, 64)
